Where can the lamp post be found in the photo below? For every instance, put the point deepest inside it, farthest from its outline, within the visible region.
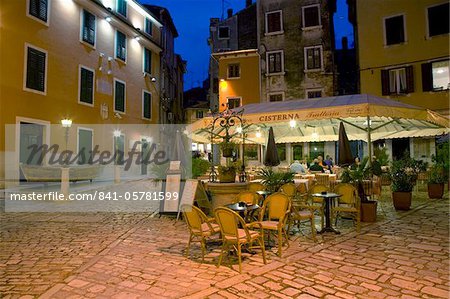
(66, 124)
(226, 120)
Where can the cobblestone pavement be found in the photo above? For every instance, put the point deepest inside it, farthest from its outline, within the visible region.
(107, 255)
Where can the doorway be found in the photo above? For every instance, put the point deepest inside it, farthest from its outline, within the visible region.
(31, 137)
(399, 146)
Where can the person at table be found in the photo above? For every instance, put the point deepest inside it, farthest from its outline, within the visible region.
(320, 161)
(328, 162)
(297, 167)
(315, 166)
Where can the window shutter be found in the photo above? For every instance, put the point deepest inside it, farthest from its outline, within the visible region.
(89, 86)
(147, 61)
(409, 79)
(120, 97)
(147, 105)
(43, 10)
(89, 28)
(35, 70)
(427, 77)
(385, 82)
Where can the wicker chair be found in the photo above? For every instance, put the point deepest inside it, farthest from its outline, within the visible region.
(235, 237)
(200, 227)
(349, 202)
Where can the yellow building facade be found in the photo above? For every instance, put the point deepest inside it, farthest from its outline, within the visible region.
(239, 78)
(93, 62)
(403, 49)
(403, 52)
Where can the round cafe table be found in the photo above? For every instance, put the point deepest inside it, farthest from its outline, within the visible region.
(244, 210)
(328, 197)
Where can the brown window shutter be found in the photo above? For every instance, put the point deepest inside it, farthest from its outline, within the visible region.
(385, 82)
(409, 79)
(427, 77)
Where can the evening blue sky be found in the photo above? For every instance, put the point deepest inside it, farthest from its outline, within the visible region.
(191, 17)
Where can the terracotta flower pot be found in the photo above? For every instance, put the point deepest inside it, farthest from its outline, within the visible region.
(369, 211)
(435, 190)
(402, 200)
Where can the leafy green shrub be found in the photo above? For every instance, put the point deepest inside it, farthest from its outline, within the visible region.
(404, 173)
(199, 167)
(436, 174)
(274, 180)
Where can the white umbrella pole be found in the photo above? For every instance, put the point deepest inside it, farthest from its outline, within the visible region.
(369, 141)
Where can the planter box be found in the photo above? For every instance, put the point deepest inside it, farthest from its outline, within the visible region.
(227, 177)
(402, 200)
(369, 211)
(435, 190)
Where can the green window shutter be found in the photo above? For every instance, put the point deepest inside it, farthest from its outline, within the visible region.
(148, 27)
(35, 70)
(88, 27)
(121, 47)
(119, 99)
(147, 106)
(122, 7)
(87, 86)
(39, 9)
(147, 61)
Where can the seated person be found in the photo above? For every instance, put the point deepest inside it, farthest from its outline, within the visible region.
(320, 161)
(297, 167)
(315, 166)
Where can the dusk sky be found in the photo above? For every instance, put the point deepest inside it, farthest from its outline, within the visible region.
(191, 18)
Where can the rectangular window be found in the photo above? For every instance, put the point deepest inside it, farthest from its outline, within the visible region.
(148, 28)
(276, 97)
(275, 62)
(147, 105)
(121, 46)
(234, 103)
(441, 75)
(234, 70)
(119, 96)
(394, 30)
(36, 70)
(88, 28)
(297, 151)
(122, 7)
(311, 16)
(397, 81)
(147, 61)
(313, 58)
(274, 22)
(438, 19)
(39, 9)
(86, 86)
(316, 149)
(312, 94)
(224, 32)
(199, 114)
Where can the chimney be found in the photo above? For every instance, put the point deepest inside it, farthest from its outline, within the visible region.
(230, 12)
(248, 3)
(344, 43)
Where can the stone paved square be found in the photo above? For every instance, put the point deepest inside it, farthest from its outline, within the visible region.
(135, 255)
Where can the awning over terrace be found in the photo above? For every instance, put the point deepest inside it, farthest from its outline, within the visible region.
(366, 117)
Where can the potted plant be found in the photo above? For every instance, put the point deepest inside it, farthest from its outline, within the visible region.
(404, 174)
(227, 148)
(436, 181)
(273, 180)
(227, 174)
(357, 176)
